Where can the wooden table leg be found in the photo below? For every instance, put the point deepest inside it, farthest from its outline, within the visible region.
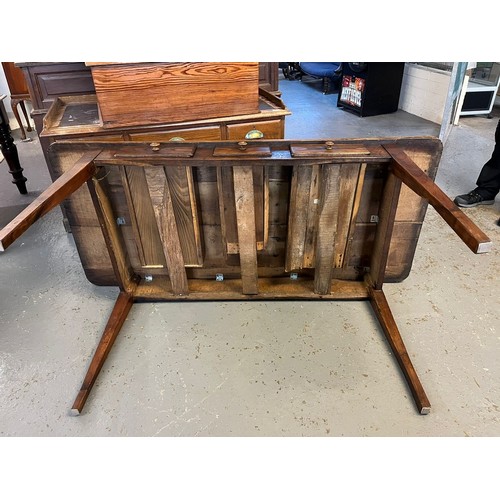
(386, 319)
(117, 318)
(9, 151)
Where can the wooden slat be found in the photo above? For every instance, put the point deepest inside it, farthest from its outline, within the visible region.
(245, 217)
(266, 210)
(261, 204)
(142, 217)
(99, 191)
(347, 190)
(327, 227)
(180, 182)
(63, 187)
(312, 219)
(354, 213)
(406, 169)
(225, 185)
(227, 210)
(298, 217)
(167, 227)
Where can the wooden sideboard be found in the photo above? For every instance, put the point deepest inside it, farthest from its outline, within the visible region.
(77, 117)
(47, 82)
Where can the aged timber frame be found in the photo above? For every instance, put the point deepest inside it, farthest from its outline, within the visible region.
(249, 220)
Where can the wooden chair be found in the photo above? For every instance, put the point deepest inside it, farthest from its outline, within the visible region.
(19, 93)
(255, 220)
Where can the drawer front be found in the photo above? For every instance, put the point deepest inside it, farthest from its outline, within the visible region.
(52, 81)
(272, 129)
(98, 138)
(188, 134)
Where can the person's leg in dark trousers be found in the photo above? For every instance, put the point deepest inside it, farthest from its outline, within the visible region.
(488, 181)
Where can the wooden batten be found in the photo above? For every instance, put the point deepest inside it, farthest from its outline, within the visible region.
(349, 179)
(225, 185)
(142, 218)
(354, 213)
(312, 219)
(180, 183)
(181, 186)
(245, 218)
(302, 215)
(167, 227)
(327, 228)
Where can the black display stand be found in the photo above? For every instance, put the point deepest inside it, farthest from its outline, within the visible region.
(369, 89)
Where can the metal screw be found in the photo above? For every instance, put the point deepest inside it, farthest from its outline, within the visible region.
(219, 277)
(120, 221)
(148, 278)
(294, 276)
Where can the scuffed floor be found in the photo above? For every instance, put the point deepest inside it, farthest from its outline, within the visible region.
(260, 368)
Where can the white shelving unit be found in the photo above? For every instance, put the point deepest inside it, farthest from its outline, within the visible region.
(481, 90)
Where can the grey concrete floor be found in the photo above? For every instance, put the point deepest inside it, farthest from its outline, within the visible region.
(258, 369)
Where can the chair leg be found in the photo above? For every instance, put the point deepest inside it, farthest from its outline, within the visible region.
(326, 85)
(25, 113)
(117, 318)
(14, 103)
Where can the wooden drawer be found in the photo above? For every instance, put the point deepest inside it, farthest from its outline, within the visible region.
(272, 129)
(100, 138)
(188, 134)
(47, 82)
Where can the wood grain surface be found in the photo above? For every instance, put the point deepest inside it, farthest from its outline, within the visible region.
(136, 94)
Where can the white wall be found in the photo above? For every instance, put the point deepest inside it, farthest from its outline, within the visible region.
(424, 92)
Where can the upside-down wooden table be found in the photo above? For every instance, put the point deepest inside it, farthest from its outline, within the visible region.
(259, 219)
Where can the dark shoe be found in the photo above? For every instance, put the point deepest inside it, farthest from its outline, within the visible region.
(498, 222)
(472, 199)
